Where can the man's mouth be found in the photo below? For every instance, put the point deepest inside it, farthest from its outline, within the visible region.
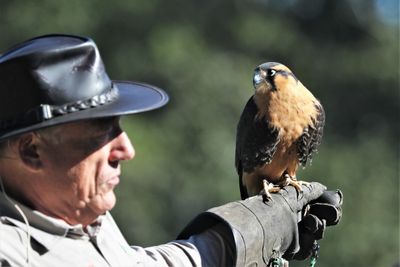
(110, 182)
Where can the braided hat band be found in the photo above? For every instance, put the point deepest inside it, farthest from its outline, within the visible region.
(46, 112)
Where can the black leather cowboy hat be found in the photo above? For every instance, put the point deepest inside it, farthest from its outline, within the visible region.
(55, 79)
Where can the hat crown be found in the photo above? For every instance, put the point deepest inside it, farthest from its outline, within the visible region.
(50, 70)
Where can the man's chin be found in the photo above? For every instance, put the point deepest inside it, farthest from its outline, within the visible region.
(102, 203)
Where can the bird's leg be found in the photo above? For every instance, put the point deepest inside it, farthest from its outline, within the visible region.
(269, 188)
(291, 180)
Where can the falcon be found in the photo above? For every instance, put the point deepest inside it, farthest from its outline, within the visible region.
(280, 128)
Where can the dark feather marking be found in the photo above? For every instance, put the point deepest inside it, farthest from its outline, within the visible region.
(256, 142)
(271, 81)
(311, 138)
(286, 74)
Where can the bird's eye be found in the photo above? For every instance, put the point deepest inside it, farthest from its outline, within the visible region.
(271, 72)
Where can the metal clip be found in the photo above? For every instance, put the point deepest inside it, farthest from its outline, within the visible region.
(46, 112)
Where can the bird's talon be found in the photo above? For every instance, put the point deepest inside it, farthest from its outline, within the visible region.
(269, 188)
(267, 198)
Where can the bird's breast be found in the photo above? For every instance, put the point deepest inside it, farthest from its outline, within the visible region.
(289, 113)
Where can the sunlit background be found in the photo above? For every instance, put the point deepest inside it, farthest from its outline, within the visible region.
(203, 54)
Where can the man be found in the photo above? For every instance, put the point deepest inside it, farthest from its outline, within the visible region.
(61, 145)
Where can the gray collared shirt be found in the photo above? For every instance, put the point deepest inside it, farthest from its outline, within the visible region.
(41, 240)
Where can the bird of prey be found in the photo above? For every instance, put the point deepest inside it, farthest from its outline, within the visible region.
(280, 128)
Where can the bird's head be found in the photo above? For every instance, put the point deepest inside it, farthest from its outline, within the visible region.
(272, 77)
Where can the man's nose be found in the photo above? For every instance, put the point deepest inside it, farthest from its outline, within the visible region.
(121, 148)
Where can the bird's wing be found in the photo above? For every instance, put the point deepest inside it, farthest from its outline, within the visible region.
(256, 143)
(311, 138)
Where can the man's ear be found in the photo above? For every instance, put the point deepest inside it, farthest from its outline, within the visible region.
(28, 151)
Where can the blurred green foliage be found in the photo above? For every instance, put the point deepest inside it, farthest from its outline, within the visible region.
(203, 54)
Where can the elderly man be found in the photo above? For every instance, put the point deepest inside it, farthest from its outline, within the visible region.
(60, 152)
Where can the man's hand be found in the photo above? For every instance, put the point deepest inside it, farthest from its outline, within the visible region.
(322, 212)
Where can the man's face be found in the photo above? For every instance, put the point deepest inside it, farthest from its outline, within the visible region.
(81, 168)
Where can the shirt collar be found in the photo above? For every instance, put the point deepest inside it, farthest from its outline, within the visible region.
(8, 208)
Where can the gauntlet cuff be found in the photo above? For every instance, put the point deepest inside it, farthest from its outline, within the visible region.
(260, 230)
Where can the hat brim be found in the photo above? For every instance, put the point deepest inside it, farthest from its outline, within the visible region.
(133, 97)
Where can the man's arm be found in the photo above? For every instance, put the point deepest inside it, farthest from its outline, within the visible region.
(252, 231)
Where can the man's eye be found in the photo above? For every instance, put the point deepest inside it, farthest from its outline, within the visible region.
(91, 143)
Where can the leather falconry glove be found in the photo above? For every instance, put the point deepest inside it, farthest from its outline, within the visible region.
(322, 212)
(262, 230)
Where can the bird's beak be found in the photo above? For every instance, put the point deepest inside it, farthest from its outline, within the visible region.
(259, 77)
